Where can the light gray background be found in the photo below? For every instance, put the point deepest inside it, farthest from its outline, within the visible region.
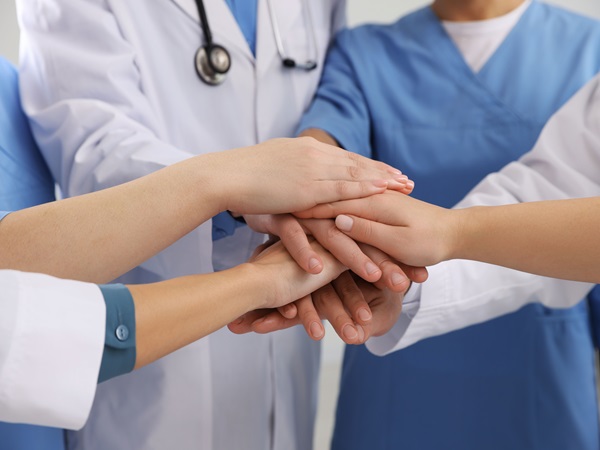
(359, 11)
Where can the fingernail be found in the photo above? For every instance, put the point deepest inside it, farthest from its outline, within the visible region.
(380, 183)
(259, 321)
(313, 263)
(344, 223)
(401, 178)
(364, 314)
(349, 332)
(398, 279)
(410, 184)
(395, 171)
(361, 333)
(316, 330)
(371, 268)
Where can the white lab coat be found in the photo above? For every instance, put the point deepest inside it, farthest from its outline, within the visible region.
(51, 344)
(564, 163)
(112, 94)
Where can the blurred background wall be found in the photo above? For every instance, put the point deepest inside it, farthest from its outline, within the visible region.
(359, 11)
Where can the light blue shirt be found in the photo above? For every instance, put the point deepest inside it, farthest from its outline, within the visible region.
(244, 12)
(3, 214)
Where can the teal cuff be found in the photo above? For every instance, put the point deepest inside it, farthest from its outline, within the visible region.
(119, 342)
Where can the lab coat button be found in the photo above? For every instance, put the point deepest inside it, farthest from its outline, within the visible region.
(122, 332)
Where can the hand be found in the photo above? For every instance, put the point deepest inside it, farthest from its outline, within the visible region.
(365, 261)
(289, 281)
(409, 230)
(375, 310)
(285, 175)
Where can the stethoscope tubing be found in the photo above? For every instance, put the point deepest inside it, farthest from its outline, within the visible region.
(213, 75)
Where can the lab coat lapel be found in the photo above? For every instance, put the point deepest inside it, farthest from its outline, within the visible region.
(224, 27)
(287, 13)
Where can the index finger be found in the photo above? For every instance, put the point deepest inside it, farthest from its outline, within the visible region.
(379, 208)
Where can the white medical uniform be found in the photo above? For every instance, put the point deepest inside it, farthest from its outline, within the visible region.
(564, 163)
(51, 344)
(112, 94)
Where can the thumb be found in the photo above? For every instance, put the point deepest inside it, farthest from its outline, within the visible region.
(379, 235)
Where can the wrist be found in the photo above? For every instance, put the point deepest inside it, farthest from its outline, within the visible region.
(460, 233)
(210, 175)
(260, 285)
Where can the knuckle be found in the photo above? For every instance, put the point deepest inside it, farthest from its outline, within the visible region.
(350, 292)
(341, 188)
(291, 232)
(353, 172)
(308, 315)
(332, 233)
(339, 320)
(326, 296)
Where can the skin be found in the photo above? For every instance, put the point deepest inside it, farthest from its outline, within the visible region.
(471, 10)
(343, 303)
(99, 236)
(558, 239)
(201, 304)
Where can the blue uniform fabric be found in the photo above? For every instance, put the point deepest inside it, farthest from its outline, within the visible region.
(119, 353)
(24, 181)
(403, 94)
(244, 12)
(19, 188)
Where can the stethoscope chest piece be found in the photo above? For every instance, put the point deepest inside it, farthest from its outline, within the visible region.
(212, 64)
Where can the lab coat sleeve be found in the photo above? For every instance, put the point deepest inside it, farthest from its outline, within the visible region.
(51, 344)
(83, 93)
(339, 106)
(565, 163)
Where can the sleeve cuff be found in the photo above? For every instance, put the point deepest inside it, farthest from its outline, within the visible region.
(119, 344)
(49, 375)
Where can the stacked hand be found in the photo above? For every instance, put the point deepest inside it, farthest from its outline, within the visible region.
(365, 301)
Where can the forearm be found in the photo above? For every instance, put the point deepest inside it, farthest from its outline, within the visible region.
(100, 236)
(558, 239)
(175, 313)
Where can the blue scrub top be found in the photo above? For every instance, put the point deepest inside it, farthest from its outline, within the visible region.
(24, 181)
(24, 177)
(403, 94)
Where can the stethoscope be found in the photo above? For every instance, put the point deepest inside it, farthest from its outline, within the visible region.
(212, 61)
